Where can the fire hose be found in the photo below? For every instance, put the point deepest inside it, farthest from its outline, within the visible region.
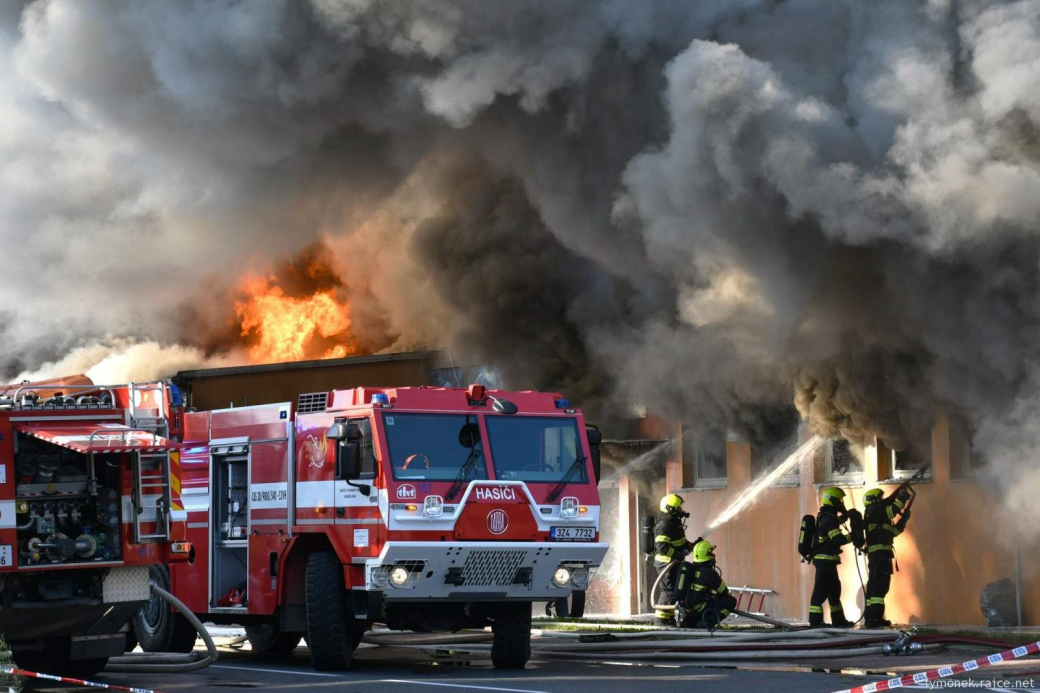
(165, 662)
(723, 647)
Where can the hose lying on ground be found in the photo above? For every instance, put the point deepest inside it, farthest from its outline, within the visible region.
(164, 662)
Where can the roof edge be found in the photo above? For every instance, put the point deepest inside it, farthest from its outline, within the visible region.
(433, 354)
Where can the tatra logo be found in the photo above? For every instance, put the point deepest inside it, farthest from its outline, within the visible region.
(495, 493)
(406, 492)
(497, 521)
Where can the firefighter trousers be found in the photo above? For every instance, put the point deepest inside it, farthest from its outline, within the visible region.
(879, 579)
(667, 593)
(826, 588)
(714, 610)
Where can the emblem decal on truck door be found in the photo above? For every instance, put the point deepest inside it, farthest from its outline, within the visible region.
(497, 521)
(406, 492)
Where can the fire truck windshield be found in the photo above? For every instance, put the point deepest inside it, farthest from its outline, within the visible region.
(528, 448)
(427, 447)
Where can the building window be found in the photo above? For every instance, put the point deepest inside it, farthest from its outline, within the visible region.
(704, 458)
(774, 442)
(843, 461)
(966, 461)
(902, 464)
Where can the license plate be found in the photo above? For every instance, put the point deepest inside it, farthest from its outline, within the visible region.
(6, 556)
(572, 533)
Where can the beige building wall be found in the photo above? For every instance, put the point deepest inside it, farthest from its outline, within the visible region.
(956, 543)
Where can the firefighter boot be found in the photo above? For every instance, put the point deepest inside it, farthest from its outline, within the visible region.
(816, 617)
(838, 619)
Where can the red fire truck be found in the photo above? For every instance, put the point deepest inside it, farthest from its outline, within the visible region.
(421, 508)
(88, 501)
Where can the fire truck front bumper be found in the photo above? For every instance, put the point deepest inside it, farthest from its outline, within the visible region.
(520, 571)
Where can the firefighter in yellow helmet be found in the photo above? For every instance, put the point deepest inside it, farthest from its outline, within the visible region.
(886, 519)
(706, 600)
(826, 556)
(670, 547)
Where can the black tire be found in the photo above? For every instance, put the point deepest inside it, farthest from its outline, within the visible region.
(55, 660)
(511, 645)
(157, 626)
(330, 636)
(267, 639)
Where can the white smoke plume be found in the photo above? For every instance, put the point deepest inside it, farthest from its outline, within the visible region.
(717, 207)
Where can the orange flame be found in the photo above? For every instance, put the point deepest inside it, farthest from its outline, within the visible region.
(285, 328)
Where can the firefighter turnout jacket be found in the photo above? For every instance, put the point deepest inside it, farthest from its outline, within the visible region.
(670, 542)
(829, 537)
(881, 531)
(707, 584)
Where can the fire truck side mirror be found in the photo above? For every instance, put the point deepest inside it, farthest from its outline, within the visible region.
(348, 449)
(341, 430)
(348, 459)
(595, 438)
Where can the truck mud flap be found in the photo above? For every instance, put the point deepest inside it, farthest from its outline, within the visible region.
(368, 605)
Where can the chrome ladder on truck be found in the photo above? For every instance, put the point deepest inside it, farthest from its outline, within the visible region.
(151, 469)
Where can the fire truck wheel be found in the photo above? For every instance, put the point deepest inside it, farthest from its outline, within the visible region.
(157, 627)
(329, 636)
(267, 639)
(511, 646)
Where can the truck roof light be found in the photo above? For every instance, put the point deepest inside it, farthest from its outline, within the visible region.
(562, 403)
(379, 399)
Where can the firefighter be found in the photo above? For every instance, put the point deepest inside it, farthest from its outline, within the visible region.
(709, 600)
(670, 546)
(883, 526)
(827, 555)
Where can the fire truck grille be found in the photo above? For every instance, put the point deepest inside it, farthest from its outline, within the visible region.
(492, 568)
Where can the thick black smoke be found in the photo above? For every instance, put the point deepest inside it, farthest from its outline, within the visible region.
(716, 207)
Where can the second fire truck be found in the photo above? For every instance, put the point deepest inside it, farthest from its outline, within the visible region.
(427, 509)
(89, 503)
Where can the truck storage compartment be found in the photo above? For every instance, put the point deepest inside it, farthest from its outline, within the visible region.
(67, 504)
(230, 526)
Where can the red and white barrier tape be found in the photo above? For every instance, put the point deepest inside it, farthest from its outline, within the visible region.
(76, 682)
(926, 676)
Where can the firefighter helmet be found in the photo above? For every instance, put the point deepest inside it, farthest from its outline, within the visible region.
(672, 503)
(703, 552)
(873, 496)
(834, 497)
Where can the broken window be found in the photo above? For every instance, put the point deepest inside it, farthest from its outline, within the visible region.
(902, 464)
(966, 461)
(843, 460)
(704, 458)
(774, 441)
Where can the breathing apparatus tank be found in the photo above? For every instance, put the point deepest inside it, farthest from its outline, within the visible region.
(646, 534)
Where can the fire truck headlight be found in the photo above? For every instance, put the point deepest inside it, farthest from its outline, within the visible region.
(399, 576)
(569, 507)
(562, 576)
(433, 506)
(380, 577)
(579, 578)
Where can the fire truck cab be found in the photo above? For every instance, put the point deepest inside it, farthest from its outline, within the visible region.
(88, 502)
(422, 508)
